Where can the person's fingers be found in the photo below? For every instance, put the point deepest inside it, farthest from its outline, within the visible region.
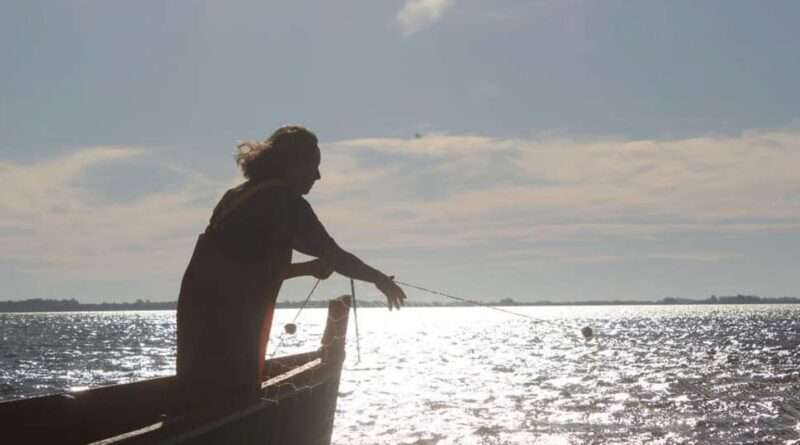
(398, 295)
(394, 295)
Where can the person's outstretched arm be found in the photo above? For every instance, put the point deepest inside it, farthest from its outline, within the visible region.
(318, 268)
(351, 266)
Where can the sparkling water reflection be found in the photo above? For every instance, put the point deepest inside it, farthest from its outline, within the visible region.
(651, 374)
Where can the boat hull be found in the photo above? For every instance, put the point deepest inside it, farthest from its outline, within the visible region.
(296, 405)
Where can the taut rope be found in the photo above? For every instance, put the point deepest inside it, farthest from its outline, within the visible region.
(355, 314)
(477, 303)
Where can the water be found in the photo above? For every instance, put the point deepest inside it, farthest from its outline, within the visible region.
(652, 374)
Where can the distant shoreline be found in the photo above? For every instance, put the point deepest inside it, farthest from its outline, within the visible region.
(72, 305)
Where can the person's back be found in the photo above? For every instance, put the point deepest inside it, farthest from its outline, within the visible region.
(227, 299)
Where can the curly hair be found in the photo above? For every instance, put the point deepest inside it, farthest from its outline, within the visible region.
(266, 159)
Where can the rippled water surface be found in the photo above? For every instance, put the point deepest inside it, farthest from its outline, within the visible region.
(652, 374)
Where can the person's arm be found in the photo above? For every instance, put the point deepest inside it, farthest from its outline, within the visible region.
(318, 268)
(351, 266)
(311, 238)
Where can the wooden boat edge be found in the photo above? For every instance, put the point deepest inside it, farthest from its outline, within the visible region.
(290, 373)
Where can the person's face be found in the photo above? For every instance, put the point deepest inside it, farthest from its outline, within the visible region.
(301, 177)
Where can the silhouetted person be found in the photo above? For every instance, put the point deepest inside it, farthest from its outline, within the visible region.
(228, 291)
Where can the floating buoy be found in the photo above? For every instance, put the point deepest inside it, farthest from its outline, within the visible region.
(587, 332)
(290, 328)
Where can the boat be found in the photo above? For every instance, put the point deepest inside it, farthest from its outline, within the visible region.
(295, 405)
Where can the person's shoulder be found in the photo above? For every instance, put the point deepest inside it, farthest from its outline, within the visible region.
(237, 190)
(278, 194)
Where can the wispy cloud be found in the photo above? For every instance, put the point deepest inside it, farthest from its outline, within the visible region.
(51, 222)
(561, 255)
(438, 193)
(446, 190)
(417, 14)
(31, 191)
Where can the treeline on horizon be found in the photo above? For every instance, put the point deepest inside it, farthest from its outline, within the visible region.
(50, 305)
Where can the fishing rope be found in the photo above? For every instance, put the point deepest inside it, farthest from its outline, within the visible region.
(355, 314)
(477, 303)
(414, 286)
(280, 339)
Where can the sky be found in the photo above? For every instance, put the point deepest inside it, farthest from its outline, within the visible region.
(563, 151)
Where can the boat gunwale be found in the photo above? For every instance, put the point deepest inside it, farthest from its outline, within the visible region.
(285, 376)
(180, 428)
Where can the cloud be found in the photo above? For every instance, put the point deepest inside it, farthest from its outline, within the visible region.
(507, 200)
(52, 225)
(417, 14)
(562, 255)
(445, 191)
(28, 191)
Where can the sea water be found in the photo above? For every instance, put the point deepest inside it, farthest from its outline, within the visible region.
(651, 374)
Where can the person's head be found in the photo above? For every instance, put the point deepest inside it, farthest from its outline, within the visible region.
(291, 154)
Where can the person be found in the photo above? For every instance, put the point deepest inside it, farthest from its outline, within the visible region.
(228, 292)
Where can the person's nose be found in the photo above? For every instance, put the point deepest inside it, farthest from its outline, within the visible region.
(317, 175)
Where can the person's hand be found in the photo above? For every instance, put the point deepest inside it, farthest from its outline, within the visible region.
(394, 295)
(321, 269)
